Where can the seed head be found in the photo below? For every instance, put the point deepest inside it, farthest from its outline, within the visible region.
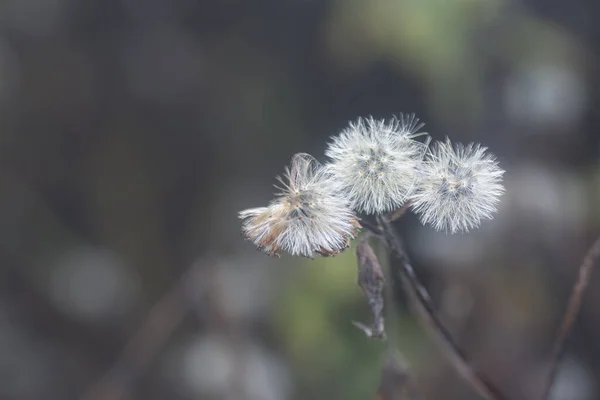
(374, 162)
(307, 217)
(458, 187)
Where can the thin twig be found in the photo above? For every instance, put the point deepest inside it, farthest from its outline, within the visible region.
(396, 214)
(206, 291)
(579, 289)
(164, 317)
(197, 290)
(421, 303)
(371, 228)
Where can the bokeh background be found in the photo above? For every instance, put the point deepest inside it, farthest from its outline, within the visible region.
(133, 131)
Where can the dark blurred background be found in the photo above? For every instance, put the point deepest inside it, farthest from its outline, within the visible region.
(133, 131)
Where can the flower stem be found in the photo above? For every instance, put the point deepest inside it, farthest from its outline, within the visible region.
(421, 303)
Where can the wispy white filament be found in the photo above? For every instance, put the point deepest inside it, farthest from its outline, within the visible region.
(374, 162)
(458, 186)
(308, 217)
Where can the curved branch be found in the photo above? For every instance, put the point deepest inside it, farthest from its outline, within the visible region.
(422, 305)
(579, 289)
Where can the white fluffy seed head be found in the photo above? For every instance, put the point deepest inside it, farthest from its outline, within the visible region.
(374, 162)
(458, 187)
(308, 217)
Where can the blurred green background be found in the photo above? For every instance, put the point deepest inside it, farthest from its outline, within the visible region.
(133, 131)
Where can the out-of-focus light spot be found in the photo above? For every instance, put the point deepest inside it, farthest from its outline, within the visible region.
(93, 284)
(454, 251)
(573, 382)
(208, 365)
(556, 200)
(246, 287)
(545, 95)
(27, 367)
(267, 378)
(212, 366)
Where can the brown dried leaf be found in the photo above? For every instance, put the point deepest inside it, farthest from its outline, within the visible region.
(371, 280)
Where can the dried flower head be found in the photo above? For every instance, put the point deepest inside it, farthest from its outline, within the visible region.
(458, 186)
(374, 162)
(308, 217)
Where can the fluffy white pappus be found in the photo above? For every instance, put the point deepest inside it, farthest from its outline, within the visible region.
(308, 217)
(374, 162)
(458, 187)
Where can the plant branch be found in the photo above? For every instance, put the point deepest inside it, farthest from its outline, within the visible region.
(579, 289)
(370, 227)
(164, 317)
(421, 303)
(396, 214)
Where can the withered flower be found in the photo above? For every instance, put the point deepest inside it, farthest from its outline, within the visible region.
(308, 216)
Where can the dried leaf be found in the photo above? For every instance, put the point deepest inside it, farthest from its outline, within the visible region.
(371, 280)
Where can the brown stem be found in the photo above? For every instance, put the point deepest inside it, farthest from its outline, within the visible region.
(579, 289)
(198, 290)
(164, 317)
(396, 214)
(422, 305)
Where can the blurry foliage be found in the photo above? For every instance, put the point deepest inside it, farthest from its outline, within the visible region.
(431, 39)
(314, 314)
(447, 45)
